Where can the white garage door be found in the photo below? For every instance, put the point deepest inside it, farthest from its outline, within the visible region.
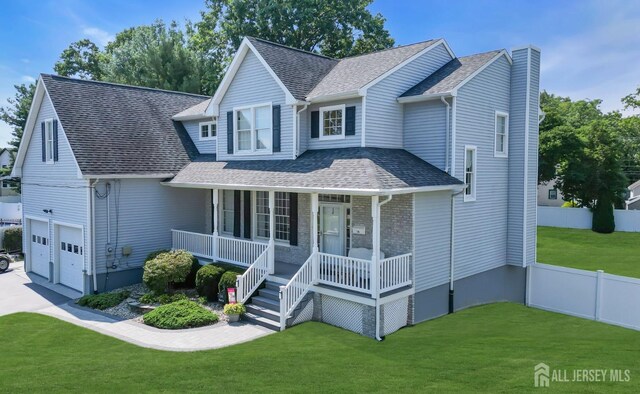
(71, 257)
(39, 241)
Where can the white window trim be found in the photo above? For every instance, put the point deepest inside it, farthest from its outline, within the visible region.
(496, 153)
(209, 124)
(48, 127)
(322, 110)
(254, 222)
(221, 217)
(474, 180)
(253, 150)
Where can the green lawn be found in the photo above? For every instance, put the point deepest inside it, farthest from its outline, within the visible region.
(488, 348)
(616, 253)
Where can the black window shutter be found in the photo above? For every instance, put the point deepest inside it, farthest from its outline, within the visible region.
(315, 124)
(293, 219)
(236, 213)
(230, 132)
(247, 214)
(350, 121)
(276, 128)
(44, 142)
(55, 140)
(213, 214)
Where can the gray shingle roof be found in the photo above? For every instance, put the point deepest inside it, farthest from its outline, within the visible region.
(298, 70)
(445, 79)
(120, 129)
(352, 73)
(196, 110)
(346, 168)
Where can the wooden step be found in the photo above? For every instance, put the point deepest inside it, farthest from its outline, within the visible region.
(268, 303)
(261, 321)
(264, 312)
(269, 293)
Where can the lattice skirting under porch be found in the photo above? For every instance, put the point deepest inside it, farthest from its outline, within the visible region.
(394, 315)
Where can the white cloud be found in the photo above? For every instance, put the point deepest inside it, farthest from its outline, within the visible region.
(100, 36)
(27, 79)
(601, 60)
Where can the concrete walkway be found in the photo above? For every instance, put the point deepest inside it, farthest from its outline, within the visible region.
(19, 294)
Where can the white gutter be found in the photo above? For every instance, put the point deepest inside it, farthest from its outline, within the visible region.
(453, 136)
(296, 140)
(452, 246)
(377, 267)
(92, 235)
(130, 176)
(424, 97)
(447, 135)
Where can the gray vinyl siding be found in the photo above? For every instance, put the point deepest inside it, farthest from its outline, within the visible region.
(516, 157)
(481, 225)
(144, 217)
(316, 143)
(204, 146)
(425, 131)
(384, 118)
(532, 176)
(253, 85)
(432, 239)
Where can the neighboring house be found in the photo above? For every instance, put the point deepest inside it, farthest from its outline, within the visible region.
(549, 195)
(369, 192)
(633, 202)
(5, 181)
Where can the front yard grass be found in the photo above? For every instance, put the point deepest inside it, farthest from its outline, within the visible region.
(491, 348)
(615, 253)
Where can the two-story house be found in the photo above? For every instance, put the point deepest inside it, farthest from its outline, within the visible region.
(369, 192)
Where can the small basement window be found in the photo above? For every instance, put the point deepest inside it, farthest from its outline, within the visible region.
(208, 130)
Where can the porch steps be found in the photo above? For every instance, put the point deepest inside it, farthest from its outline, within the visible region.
(264, 308)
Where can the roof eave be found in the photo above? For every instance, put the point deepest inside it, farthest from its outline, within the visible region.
(130, 176)
(333, 97)
(424, 97)
(191, 117)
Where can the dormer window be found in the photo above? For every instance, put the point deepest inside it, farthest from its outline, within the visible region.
(208, 130)
(332, 122)
(253, 129)
(48, 144)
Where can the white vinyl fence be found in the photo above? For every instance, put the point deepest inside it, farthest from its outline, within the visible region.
(592, 295)
(581, 218)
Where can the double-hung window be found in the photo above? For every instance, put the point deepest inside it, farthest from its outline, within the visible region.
(332, 122)
(502, 134)
(208, 131)
(48, 135)
(470, 172)
(252, 128)
(553, 194)
(227, 212)
(281, 214)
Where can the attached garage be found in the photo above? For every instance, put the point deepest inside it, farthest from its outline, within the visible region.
(39, 244)
(70, 256)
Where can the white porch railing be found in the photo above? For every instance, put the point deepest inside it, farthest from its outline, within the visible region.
(395, 272)
(295, 290)
(199, 245)
(249, 282)
(345, 272)
(239, 251)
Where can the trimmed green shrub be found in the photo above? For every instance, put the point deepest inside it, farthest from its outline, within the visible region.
(180, 314)
(603, 220)
(155, 254)
(104, 300)
(151, 298)
(234, 309)
(12, 239)
(227, 280)
(190, 282)
(166, 268)
(207, 280)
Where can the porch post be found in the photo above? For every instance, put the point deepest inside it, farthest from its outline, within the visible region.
(314, 236)
(375, 241)
(214, 202)
(272, 229)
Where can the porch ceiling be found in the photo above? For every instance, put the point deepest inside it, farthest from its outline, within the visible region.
(354, 170)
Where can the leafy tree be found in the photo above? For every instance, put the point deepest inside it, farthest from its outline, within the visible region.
(82, 59)
(15, 114)
(334, 28)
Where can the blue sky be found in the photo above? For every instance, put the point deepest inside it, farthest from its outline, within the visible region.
(590, 49)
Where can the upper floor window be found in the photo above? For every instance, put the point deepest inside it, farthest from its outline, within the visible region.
(502, 134)
(48, 140)
(208, 130)
(332, 122)
(281, 214)
(252, 129)
(470, 172)
(553, 194)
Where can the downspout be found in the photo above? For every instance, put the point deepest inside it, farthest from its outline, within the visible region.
(296, 142)
(92, 235)
(377, 252)
(447, 134)
(453, 136)
(451, 249)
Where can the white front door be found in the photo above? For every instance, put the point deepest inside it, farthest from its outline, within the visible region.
(39, 247)
(71, 257)
(332, 229)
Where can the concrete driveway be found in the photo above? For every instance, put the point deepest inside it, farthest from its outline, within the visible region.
(19, 294)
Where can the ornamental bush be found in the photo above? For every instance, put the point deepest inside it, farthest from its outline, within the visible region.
(228, 279)
(12, 239)
(104, 300)
(166, 268)
(180, 314)
(155, 254)
(152, 298)
(207, 280)
(234, 309)
(190, 282)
